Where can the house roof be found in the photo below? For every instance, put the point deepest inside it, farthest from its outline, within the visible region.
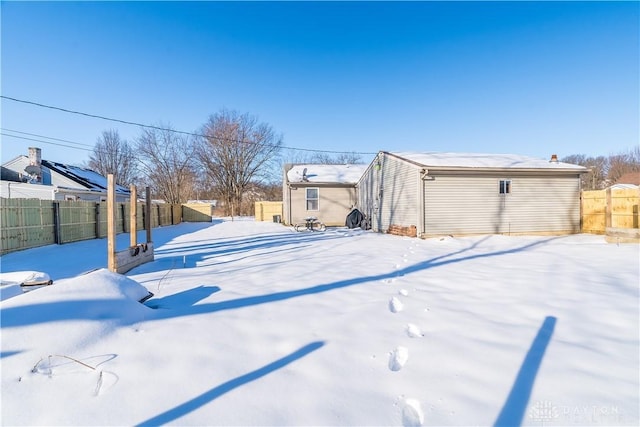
(623, 187)
(7, 174)
(321, 173)
(629, 178)
(85, 177)
(483, 161)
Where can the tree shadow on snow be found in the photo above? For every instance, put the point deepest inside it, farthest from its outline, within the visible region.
(210, 395)
(284, 295)
(513, 410)
(191, 254)
(183, 299)
(109, 309)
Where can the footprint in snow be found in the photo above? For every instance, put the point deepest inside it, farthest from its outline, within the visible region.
(395, 305)
(412, 415)
(398, 357)
(413, 331)
(403, 292)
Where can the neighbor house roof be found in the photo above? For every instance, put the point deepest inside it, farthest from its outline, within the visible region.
(86, 177)
(320, 173)
(629, 178)
(483, 161)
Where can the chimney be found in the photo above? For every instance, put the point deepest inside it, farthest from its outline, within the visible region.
(35, 165)
(35, 156)
(554, 158)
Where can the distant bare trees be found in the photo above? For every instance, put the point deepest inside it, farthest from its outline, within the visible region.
(605, 171)
(236, 152)
(113, 155)
(168, 161)
(319, 157)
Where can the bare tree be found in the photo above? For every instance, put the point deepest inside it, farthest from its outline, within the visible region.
(168, 162)
(113, 155)
(623, 163)
(605, 171)
(235, 151)
(321, 157)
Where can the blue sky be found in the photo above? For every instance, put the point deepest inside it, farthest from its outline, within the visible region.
(530, 78)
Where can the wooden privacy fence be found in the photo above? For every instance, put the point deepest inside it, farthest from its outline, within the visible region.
(610, 208)
(29, 223)
(268, 211)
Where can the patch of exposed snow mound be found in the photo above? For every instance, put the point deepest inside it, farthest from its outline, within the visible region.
(24, 277)
(100, 294)
(105, 284)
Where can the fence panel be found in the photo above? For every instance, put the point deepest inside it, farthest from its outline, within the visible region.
(26, 223)
(197, 212)
(593, 211)
(77, 221)
(266, 211)
(164, 214)
(177, 214)
(623, 209)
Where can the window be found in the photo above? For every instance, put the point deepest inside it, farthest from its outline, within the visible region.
(505, 186)
(312, 199)
(71, 198)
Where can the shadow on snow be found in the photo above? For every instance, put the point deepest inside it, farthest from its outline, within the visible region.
(112, 309)
(210, 395)
(513, 410)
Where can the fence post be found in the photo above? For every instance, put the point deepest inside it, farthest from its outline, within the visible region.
(97, 220)
(607, 209)
(147, 218)
(111, 224)
(122, 213)
(133, 218)
(57, 234)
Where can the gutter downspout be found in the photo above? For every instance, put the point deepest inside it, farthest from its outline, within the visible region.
(422, 204)
(289, 204)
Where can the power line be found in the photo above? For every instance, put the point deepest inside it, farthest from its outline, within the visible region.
(44, 142)
(127, 122)
(44, 136)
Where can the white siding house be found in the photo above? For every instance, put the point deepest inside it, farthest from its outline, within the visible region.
(48, 180)
(327, 192)
(467, 193)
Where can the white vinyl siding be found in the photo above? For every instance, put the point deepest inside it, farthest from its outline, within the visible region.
(474, 204)
(398, 199)
(334, 204)
(388, 193)
(367, 193)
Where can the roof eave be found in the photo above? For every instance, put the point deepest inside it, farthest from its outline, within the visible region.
(503, 170)
(322, 184)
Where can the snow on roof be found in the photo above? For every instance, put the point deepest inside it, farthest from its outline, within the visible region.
(483, 160)
(342, 174)
(624, 187)
(88, 178)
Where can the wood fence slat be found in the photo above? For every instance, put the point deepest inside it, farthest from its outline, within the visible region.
(29, 223)
(624, 210)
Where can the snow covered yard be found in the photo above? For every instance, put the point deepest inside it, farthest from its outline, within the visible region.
(254, 324)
